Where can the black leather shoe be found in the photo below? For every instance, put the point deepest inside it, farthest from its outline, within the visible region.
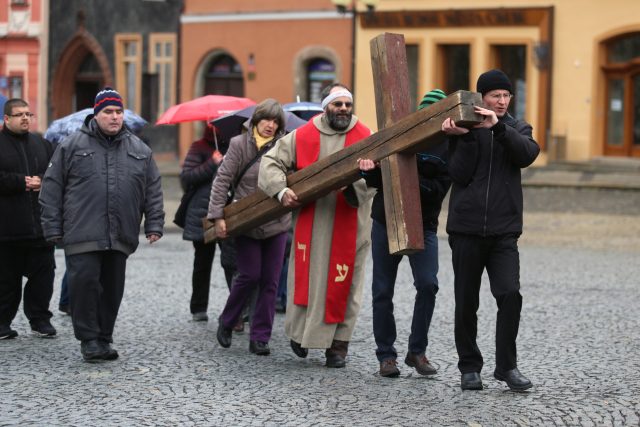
(335, 361)
(471, 381)
(110, 352)
(514, 379)
(223, 335)
(260, 348)
(298, 349)
(92, 351)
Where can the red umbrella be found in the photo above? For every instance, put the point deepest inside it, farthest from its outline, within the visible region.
(205, 108)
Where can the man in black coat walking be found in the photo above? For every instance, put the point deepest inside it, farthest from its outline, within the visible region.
(100, 182)
(484, 224)
(24, 157)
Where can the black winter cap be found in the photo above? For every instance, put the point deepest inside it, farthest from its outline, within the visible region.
(492, 80)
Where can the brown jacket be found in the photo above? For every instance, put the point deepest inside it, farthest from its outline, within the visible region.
(242, 149)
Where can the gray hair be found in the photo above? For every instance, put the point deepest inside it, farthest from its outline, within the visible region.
(269, 109)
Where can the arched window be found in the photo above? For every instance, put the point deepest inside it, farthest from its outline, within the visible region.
(320, 73)
(224, 77)
(622, 96)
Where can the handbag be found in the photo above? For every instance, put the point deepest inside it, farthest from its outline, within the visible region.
(180, 218)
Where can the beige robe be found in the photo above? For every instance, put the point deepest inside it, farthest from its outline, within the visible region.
(306, 325)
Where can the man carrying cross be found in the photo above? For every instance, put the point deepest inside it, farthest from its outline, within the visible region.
(331, 240)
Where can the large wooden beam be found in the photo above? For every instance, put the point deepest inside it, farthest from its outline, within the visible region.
(412, 134)
(400, 182)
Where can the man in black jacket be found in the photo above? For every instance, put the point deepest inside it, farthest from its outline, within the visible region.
(484, 224)
(434, 184)
(23, 251)
(100, 182)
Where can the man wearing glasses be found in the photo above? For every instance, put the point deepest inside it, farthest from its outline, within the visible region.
(484, 224)
(24, 252)
(330, 243)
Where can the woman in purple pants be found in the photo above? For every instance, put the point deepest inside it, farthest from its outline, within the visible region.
(259, 251)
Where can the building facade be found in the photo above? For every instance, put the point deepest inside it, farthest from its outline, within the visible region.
(282, 49)
(23, 54)
(129, 45)
(575, 64)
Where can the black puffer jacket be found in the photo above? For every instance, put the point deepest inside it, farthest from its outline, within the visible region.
(21, 155)
(198, 171)
(95, 192)
(484, 166)
(434, 184)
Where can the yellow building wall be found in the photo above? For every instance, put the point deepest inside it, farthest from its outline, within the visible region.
(579, 25)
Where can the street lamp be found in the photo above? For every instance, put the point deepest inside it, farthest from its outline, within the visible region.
(343, 6)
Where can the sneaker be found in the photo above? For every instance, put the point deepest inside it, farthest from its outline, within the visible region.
(200, 316)
(65, 309)
(420, 363)
(389, 368)
(6, 333)
(43, 329)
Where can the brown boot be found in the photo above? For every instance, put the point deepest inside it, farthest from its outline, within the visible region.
(337, 354)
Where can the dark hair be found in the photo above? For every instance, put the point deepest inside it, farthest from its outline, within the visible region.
(327, 90)
(14, 102)
(269, 109)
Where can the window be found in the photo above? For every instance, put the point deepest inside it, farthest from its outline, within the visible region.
(453, 71)
(512, 59)
(622, 95)
(15, 87)
(320, 74)
(129, 69)
(224, 77)
(412, 65)
(162, 62)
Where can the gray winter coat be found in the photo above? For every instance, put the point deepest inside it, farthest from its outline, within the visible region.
(242, 149)
(95, 192)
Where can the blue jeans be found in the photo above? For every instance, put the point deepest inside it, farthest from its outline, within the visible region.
(424, 266)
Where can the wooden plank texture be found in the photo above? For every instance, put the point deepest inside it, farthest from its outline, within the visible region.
(411, 134)
(400, 183)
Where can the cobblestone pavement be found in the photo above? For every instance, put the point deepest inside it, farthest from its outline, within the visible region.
(578, 343)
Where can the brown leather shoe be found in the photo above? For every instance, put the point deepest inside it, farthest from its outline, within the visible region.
(420, 363)
(389, 368)
(336, 355)
(239, 327)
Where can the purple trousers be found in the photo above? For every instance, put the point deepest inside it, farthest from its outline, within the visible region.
(259, 263)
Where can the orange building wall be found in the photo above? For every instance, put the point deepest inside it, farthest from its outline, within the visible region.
(275, 46)
(234, 6)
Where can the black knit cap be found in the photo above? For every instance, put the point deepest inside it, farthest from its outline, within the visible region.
(492, 80)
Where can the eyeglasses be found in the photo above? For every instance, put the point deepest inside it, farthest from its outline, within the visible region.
(339, 104)
(499, 96)
(25, 114)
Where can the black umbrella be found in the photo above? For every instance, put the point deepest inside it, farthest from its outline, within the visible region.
(230, 124)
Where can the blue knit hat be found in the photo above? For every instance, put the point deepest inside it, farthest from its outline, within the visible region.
(431, 97)
(107, 96)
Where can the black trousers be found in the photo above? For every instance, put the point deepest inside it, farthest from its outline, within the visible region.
(202, 264)
(96, 286)
(37, 264)
(500, 257)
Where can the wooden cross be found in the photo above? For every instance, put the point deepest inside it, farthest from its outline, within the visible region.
(400, 183)
(409, 135)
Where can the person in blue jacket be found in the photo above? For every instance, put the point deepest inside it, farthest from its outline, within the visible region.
(434, 184)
